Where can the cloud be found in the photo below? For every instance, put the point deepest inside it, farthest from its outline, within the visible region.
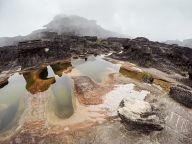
(155, 19)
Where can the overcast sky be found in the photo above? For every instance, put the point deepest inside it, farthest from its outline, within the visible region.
(154, 19)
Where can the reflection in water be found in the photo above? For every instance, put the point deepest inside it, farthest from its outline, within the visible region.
(37, 80)
(131, 73)
(95, 67)
(61, 67)
(12, 92)
(50, 72)
(12, 101)
(63, 97)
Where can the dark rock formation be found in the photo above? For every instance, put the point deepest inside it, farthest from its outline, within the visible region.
(8, 54)
(51, 47)
(140, 115)
(182, 94)
(154, 54)
(4, 83)
(140, 50)
(190, 73)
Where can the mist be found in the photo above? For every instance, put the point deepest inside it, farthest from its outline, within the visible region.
(155, 19)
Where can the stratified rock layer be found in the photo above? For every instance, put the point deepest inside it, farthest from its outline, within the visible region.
(155, 54)
(182, 94)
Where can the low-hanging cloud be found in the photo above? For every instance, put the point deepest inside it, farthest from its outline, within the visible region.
(154, 19)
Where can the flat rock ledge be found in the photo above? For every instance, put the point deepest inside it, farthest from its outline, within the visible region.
(182, 94)
(140, 115)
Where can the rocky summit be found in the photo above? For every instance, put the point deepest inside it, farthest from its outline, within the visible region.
(75, 82)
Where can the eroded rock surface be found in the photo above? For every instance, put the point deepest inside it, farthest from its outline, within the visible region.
(88, 91)
(190, 74)
(155, 54)
(182, 94)
(140, 115)
(37, 80)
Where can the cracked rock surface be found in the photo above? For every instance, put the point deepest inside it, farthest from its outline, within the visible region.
(140, 114)
(182, 94)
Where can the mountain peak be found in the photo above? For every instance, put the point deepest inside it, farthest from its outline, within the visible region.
(66, 25)
(76, 25)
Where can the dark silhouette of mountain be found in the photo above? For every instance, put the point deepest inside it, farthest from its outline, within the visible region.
(79, 26)
(62, 24)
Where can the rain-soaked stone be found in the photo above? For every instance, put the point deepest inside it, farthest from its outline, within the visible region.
(61, 67)
(182, 94)
(88, 91)
(140, 115)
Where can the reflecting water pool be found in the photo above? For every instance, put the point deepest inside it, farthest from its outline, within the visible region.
(55, 81)
(63, 97)
(94, 67)
(12, 101)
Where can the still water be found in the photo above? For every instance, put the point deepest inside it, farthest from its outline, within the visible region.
(12, 101)
(55, 77)
(95, 67)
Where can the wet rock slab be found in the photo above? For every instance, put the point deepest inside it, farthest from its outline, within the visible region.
(140, 115)
(182, 94)
(88, 91)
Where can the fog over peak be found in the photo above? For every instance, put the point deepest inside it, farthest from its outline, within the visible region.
(155, 19)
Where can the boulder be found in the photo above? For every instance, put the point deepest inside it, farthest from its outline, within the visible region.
(140, 115)
(182, 94)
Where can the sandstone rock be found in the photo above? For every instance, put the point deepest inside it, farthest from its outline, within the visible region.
(88, 92)
(61, 67)
(182, 94)
(140, 115)
(132, 71)
(37, 81)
